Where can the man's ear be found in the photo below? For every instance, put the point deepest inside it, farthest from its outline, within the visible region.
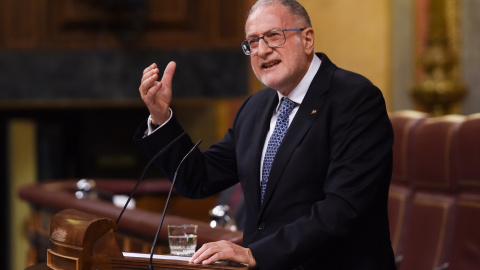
(308, 40)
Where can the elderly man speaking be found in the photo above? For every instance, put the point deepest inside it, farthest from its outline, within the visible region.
(312, 151)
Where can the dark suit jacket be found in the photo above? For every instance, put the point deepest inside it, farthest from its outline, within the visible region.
(325, 205)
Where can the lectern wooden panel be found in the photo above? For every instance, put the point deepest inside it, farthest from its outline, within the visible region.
(76, 238)
(82, 241)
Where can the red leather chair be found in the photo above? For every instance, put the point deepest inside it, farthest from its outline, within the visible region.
(400, 195)
(465, 251)
(432, 213)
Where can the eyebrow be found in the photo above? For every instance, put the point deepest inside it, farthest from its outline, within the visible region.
(253, 36)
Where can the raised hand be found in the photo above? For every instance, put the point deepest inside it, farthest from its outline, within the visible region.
(157, 95)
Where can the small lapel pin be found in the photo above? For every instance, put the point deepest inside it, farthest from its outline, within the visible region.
(314, 111)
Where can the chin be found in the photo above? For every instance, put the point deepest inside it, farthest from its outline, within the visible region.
(270, 78)
(272, 82)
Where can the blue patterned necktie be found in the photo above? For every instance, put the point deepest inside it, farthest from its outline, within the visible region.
(277, 136)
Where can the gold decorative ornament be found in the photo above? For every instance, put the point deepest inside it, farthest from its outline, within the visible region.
(440, 89)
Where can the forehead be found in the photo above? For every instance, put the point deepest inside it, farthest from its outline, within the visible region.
(268, 17)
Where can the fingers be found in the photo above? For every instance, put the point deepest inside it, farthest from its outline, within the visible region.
(204, 254)
(222, 250)
(150, 76)
(152, 66)
(208, 257)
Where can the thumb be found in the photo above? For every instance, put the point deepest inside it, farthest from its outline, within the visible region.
(168, 74)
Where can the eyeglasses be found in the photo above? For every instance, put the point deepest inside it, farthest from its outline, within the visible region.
(273, 39)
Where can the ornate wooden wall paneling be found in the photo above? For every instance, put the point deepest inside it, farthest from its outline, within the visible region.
(93, 24)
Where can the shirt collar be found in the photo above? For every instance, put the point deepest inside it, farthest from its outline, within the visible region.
(301, 89)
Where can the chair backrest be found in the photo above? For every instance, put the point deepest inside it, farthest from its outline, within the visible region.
(404, 124)
(431, 156)
(466, 155)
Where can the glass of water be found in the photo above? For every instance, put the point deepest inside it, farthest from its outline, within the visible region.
(182, 239)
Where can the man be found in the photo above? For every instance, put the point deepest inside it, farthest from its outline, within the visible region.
(322, 202)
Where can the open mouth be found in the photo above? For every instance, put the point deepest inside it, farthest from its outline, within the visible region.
(270, 64)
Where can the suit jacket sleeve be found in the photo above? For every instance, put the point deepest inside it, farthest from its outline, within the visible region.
(202, 174)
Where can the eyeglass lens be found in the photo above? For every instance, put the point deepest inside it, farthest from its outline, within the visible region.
(272, 39)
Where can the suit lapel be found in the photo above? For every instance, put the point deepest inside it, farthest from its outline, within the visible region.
(306, 114)
(259, 133)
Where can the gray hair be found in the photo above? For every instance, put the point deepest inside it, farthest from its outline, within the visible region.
(295, 8)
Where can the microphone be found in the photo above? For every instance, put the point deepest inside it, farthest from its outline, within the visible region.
(159, 153)
(150, 265)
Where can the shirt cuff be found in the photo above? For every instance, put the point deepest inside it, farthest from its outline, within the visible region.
(152, 128)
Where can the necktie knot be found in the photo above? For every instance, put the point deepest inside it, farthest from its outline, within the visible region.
(286, 107)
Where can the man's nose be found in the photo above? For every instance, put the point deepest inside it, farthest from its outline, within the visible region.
(263, 48)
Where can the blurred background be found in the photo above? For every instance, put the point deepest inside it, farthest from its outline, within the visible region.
(70, 72)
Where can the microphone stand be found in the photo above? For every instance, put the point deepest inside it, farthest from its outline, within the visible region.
(145, 170)
(150, 265)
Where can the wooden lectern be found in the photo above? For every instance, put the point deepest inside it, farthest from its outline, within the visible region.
(81, 241)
